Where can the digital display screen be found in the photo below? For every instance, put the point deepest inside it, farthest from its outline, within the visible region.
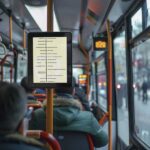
(83, 79)
(99, 43)
(50, 61)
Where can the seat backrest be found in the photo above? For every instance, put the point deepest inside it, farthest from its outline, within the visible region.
(45, 137)
(73, 140)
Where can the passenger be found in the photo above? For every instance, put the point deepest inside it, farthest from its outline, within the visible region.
(12, 119)
(95, 109)
(79, 94)
(68, 116)
(29, 91)
(145, 88)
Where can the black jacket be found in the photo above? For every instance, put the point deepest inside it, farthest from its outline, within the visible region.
(79, 94)
(19, 142)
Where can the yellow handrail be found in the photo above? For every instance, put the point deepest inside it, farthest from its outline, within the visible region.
(109, 84)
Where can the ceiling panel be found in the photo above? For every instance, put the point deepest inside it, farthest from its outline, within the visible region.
(20, 15)
(77, 56)
(68, 16)
(119, 8)
(68, 13)
(4, 29)
(20, 12)
(91, 25)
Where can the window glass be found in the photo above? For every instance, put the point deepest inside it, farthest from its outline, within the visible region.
(121, 87)
(141, 87)
(21, 67)
(8, 66)
(148, 13)
(136, 23)
(8, 73)
(92, 95)
(77, 72)
(98, 53)
(102, 84)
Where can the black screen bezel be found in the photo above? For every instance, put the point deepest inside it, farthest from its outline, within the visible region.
(31, 35)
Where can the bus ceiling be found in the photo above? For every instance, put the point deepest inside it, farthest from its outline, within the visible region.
(83, 18)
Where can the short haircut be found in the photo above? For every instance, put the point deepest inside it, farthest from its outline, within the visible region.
(74, 84)
(13, 101)
(24, 84)
(68, 90)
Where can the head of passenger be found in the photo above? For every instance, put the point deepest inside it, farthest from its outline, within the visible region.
(65, 90)
(12, 106)
(80, 95)
(25, 85)
(65, 96)
(74, 83)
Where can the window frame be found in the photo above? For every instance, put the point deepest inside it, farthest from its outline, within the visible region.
(102, 56)
(130, 43)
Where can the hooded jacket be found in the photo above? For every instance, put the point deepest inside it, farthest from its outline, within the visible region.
(68, 116)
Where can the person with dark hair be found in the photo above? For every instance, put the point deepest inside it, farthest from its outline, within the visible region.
(29, 91)
(144, 89)
(24, 84)
(95, 109)
(68, 116)
(12, 112)
(79, 94)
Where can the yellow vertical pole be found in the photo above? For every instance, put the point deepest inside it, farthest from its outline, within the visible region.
(109, 84)
(49, 110)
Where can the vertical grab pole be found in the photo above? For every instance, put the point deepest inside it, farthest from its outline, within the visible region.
(49, 110)
(24, 37)
(10, 37)
(109, 84)
(10, 28)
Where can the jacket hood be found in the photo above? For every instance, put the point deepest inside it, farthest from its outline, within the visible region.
(65, 110)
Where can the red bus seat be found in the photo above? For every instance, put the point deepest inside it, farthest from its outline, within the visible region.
(34, 105)
(50, 139)
(73, 140)
(40, 97)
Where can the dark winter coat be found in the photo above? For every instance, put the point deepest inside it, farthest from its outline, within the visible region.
(18, 142)
(79, 94)
(69, 117)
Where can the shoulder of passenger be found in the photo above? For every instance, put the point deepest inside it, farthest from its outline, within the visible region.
(23, 139)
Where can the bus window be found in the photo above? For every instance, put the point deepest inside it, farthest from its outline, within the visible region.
(102, 84)
(121, 87)
(7, 73)
(21, 67)
(147, 14)
(82, 79)
(141, 88)
(76, 72)
(136, 23)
